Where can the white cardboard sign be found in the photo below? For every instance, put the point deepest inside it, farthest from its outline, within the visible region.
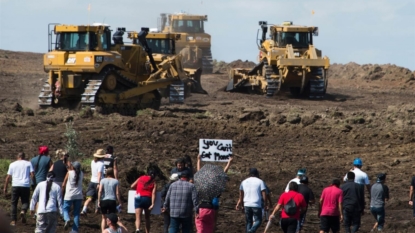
(215, 150)
(157, 206)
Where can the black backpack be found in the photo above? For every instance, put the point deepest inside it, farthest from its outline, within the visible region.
(291, 207)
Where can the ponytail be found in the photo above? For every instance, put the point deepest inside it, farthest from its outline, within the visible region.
(49, 180)
(77, 177)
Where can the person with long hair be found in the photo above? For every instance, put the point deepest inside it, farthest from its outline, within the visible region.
(145, 198)
(48, 196)
(108, 195)
(72, 187)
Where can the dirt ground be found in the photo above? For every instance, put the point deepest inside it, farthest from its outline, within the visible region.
(368, 113)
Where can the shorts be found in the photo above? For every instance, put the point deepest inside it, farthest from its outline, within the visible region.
(108, 206)
(142, 202)
(92, 191)
(330, 222)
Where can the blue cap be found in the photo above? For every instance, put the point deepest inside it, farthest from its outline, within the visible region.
(301, 172)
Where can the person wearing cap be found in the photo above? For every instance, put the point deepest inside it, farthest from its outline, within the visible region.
(145, 198)
(114, 224)
(48, 196)
(251, 197)
(330, 209)
(110, 161)
(301, 172)
(289, 222)
(360, 176)
(181, 200)
(353, 203)
(379, 196)
(308, 195)
(60, 167)
(166, 215)
(41, 165)
(20, 172)
(72, 187)
(97, 171)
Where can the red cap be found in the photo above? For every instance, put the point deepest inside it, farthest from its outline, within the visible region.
(43, 150)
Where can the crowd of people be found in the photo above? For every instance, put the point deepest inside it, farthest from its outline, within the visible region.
(58, 191)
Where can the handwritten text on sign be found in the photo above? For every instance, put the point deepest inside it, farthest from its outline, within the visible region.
(216, 150)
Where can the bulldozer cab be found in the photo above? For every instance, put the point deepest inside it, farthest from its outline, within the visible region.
(289, 34)
(183, 23)
(79, 38)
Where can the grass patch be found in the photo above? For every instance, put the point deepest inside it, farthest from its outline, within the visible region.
(204, 115)
(4, 165)
(144, 112)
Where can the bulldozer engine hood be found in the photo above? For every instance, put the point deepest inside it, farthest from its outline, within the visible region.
(80, 61)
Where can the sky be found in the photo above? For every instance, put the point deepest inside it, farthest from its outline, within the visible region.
(361, 31)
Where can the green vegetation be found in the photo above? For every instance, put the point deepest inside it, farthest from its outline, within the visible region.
(72, 144)
(145, 112)
(204, 115)
(4, 165)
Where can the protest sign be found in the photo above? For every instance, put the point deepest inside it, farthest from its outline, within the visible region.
(215, 150)
(157, 206)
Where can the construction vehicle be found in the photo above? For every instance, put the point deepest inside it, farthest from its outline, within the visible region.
(287, 59)
(84, 66)
(194, 43)
(163, 45)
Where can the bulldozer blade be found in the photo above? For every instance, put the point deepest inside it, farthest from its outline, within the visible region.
(197, 84)
(230, 86)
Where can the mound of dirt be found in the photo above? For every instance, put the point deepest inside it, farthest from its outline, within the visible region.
(371, 72)
(223, 67)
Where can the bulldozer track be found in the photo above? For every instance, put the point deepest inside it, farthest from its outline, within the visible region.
(207, 61)
(45, 96)
(317, 86)
(273, 85)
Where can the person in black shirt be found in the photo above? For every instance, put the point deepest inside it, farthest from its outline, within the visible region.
(353, 203)
(60, 167)
(110, 161)
(308, 197)
(180, 167)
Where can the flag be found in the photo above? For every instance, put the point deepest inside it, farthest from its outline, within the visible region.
(89, 7)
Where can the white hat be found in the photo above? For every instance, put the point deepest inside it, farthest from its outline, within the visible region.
(174, 177)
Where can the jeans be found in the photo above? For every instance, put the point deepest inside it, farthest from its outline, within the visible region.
(351, 218)
(255, 214)
(24, 194)
(185, 222)
(76, 212)
(166, 216)
(379, 214)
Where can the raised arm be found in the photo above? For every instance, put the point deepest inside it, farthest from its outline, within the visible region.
(199, 158)
(228, 164)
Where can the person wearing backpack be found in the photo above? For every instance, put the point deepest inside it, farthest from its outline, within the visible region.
(292, 204)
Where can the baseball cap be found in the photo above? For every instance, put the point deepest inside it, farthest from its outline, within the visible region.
(174, 177)
(301, 172)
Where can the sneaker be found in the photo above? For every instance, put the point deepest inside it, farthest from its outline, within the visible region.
(66, 226)
(23, 216)
(137, 231)
(13, 223)
(83, 212)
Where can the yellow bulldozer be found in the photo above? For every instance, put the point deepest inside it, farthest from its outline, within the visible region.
(84, 66)
(194, 44)
(287, 59)
(163, 46)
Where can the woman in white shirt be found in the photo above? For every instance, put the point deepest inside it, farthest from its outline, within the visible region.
(48, 196)
(72, 186)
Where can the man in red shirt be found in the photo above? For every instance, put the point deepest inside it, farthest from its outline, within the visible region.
(330, 210)
(286, 203)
